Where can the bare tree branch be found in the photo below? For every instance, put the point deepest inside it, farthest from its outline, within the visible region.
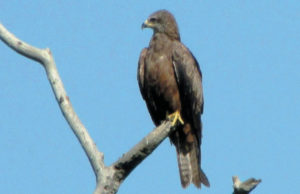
(244, 187)
(139, 152)
(108, 178)
(45, 57)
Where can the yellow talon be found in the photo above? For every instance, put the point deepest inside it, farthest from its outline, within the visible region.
(174, 117)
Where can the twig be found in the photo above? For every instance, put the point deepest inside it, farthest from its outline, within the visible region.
(244, 187)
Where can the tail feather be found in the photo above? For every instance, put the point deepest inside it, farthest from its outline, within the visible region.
(190, 170)
(188, 156)
(184, 169)
(198, 176)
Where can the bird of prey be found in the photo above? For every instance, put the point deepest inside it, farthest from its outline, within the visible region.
(170, 82)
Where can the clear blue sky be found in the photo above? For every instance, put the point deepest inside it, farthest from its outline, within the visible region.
(249, 52)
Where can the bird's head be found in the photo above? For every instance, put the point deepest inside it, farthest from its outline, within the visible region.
(162, 21)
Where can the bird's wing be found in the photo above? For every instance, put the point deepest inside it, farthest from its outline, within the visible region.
(189, 77)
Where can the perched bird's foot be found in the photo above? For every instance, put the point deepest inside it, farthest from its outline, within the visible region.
(174, 117)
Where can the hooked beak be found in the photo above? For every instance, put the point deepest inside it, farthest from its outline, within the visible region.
(146, 24)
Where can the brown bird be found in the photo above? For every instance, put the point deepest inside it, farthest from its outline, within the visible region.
(170, 82)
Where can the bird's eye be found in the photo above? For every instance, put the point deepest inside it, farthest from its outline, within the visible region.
(152, 20)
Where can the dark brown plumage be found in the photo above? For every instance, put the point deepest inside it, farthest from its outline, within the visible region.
(170, 81)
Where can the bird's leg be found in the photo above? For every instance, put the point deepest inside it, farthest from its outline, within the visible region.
(174, 117)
